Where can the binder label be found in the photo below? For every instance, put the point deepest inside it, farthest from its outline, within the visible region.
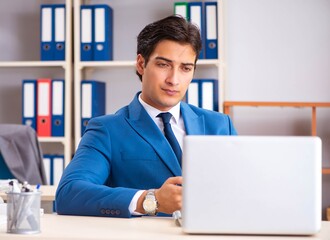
(211, 26)
(86, 101)
(193, 96)
(57, 98)
(43, 93)
(195, 16)
(46, 25)
(100, 26)
(29, 98)
(86, 22)
(181, 10)
(59, 24)
(207, 93)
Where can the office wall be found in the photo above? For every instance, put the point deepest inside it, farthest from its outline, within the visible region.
(279, 51)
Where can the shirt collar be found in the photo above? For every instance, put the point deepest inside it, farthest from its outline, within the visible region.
(153, 112)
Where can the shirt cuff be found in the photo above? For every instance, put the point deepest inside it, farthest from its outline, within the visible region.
(133, 204)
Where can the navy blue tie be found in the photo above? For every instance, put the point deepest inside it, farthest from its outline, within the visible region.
(166, 117)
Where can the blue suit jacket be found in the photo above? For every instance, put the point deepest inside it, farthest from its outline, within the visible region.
(122, 153)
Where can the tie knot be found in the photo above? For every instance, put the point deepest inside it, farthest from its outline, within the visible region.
(166, 117)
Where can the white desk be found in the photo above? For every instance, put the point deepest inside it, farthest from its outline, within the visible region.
(74, 227)
(47, 197)
(47, 193)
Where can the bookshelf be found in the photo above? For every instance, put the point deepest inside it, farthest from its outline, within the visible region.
(119, 74)
(21, 60)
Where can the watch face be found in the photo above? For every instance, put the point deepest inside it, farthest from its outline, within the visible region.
(149, 205)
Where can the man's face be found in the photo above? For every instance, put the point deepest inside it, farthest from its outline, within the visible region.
(167, 75)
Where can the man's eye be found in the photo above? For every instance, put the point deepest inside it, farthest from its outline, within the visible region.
(162, 64)
(187, 69)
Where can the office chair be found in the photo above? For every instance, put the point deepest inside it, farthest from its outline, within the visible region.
(4, 170)
(20, 154)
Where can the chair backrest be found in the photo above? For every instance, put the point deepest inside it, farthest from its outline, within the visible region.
(4, 170)
(21, 153)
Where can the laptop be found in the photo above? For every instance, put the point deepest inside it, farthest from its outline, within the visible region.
(251, 185)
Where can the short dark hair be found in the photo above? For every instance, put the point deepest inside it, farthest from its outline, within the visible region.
(174, 28)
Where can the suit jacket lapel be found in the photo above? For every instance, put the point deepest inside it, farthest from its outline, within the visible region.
(141, 122)
(194, 123)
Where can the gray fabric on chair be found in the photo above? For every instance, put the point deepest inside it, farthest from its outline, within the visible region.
(21, 151)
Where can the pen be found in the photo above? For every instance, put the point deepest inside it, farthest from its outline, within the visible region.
(37, 188)
(14, 187)
(26, 187)
(15, 201)
(177, 216)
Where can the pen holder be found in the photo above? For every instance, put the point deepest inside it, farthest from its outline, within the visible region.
(23, 212)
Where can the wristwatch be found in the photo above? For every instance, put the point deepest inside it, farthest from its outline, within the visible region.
(150, 204)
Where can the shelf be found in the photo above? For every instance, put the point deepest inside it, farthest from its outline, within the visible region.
(107, 64)
(33, 64)
(101, 64)
(326, 170)
(52, 139)
(208, 62)
(313, 105)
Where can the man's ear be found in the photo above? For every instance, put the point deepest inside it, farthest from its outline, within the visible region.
(140, 64)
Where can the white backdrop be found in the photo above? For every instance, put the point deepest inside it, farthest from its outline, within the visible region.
(279, 51)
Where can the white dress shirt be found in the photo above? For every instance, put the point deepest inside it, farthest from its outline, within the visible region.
(178, 128)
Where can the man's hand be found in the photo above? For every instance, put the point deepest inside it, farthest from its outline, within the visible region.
(169, 196)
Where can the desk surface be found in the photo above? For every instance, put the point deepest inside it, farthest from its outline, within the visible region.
(47, 193)
(73, 227)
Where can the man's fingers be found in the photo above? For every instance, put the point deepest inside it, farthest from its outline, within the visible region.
(174, 180)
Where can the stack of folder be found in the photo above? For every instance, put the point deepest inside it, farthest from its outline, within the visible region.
(203, 93)
(93, 101)
(54, 166)
(43, 106)
(204, 16)
(52, 32)
(96, 32)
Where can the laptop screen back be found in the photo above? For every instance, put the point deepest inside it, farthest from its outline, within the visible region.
(251, 185)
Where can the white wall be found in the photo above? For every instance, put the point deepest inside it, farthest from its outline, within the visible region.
(279, 51)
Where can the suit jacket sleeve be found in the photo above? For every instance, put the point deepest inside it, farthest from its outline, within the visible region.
(83, 189)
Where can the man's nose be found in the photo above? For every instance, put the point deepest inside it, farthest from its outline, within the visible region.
(173, 77)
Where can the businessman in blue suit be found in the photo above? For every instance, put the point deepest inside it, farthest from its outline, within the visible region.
(124, 165)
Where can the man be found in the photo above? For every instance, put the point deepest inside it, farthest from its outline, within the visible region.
(124, 165)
